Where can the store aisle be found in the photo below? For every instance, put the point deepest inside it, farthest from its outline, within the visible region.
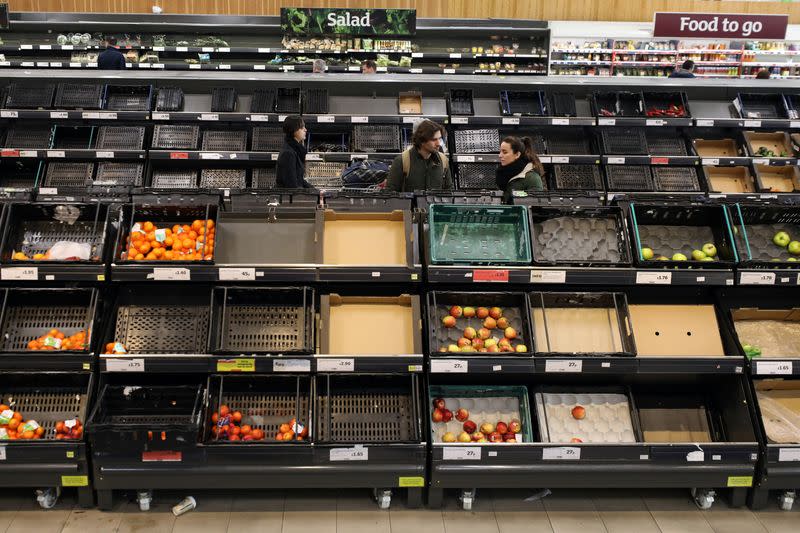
(499, 511)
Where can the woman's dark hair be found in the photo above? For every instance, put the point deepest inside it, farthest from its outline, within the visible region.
(292, 124)
(425, 132)
(524, 146)
(763, 74)
(688, 65)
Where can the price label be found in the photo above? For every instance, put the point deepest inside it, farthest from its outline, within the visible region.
(655, 122)
(563, 365)
(410, 120)
(774, 368)
(179, 155)
(9, 114)
(224, 49)
(237, 274)
(510, 120)
(26, 47)
(794, 124)
(210, 155)
(455, 56)
(313, 157)
(107, 116)
(704, 122)
(449, 71)
(172, 274)
(787, 455)
(740, 481)
(616, 160)
(55, 153)
(160, 116)
(67, 47)
(461, 453)
(236, 365)
(259, 118)
(606, 121)
(90, 115)
(264, 50)
(259, 67)
(158, 65)
(465, 158)
(711, 162)
(697, 456)
(5, 152)
(2, 453)
(74, 481)
(281, 118)
(224, 67)
(459, 120)
(560, 159)
(56, 65)
(353, 68)
(161, 48)
(124, 365)
(654, 278)
(274, 157)
(757, 278)
(288, 68)
(560, 122)
(548, 276)
(105, 155)
(359, 120)
(326, 118)
(659, 160)
(181, 48)
(357, 453)
(59, 114)
(194, 66)
(564, 453)
(449, 366)
(48, 190)
(207, 49)
(761, 161)
(19, 273)
(209, 116)
(291, 365)
(28, 153)
(490, 276)
(415, 70)
(335, 365)
(752, 123)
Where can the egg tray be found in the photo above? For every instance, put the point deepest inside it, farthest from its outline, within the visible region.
(259, 321)
(669, 240)
(225, 141)
(223, 99)
(376, 138)
(223, 178)
(515, 308)
(73, 137)
(761, 106)
(31, 138)
(120, 138)
(665, 143)
(263, 101)
(525, 103)
(128, 97)
(562, 105)
(264, 178)
(68, 174)
(476, 175)
(490, 404)
(267, 139)
(675, 179)
(79, 96)
(169, 99)
(174, 179)
(623, 141)
(629, 178)
(756, 226)
(477, 141)
(610, 416)
(172, 136)
(585, 237)
(119, 174)
(29, 96)
(47, 403)
(577, 177)
(567, 143)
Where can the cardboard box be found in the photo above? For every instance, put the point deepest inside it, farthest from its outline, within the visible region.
(776, 332)
(676, 330)
(731, 180)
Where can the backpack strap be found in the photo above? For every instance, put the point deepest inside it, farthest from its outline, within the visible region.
(406, 157)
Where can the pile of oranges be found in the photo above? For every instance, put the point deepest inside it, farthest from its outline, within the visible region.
(19, 256)
(148, 242)
(292, 431)
(115, 348)
(56, 340)
(14, 427)
(69, 429)
(228, 426)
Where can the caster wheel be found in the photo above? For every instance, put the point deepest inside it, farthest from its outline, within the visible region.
(144, 498)
(703, 498)
(787, 500)
(47, 498)
(383, 498)
(467, 499)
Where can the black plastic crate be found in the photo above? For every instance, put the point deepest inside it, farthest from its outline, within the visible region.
(264, 101)
(675, 179)
(761, 106)
(756, 227)
(23, 96)
(73, 137)
(267, 139)
(367, 409)
(124, 174)
(287, 100)
(169, 99)
(225, 140)
(174, 179)
(665, 142)
(666, 105)
(338, 141)
(19, 173)
(128, 97)
(376, 138)
(33, 229)
(623, 141)
(578, 177)
(262, 320)
(175, 136)
(792, 104)
(477, 141)
(29, 314)
(460, 102)
(629, 178)
(566, 142)
(476, 175)
(617, 104)
(29, 137)
(120, 138)
(525, 103)
(79, 96)
(223, 99)
(223, 178)
(315, 101)
(562, 105)
(68, 174)
(264, 178)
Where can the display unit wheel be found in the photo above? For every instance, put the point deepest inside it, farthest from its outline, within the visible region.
(787, 500)
(48, 497)
(383, 497)
(467, 499)
(144, 498)
(704, 498)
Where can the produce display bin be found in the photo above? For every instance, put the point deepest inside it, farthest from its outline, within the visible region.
(665, 142)
(617, 104)
(20, 175)
(561, 142)
(263, 101)
(591, 236)
(409, 103)
(777, 179)
(676, 179)
(128, 97)
(262, 320)
(267, 139)
(562, 105)
(385, 238)
(460, 102)
(79, 96)
(455, 317)
(224, 100)
(394, 325)
(174, 179)
(224, 140)
(718, 148)
(769, 332)
(792, 103)
(770, 144)
(581, 323)
(169, 99)
(525, 103)
(68, 137)
(68, 174)
(119, 174)
(478, 234)
(666, 105)
(756, 228)
(577, 178)
(477, 141)
(669, 230)
(50, 461)
(223, 178)
(729, 180)
(376, 138)
(675, 418)
(175, 136)
(315, 101)
(664, 330)
(623, 141)
(476, 175)
(33, 138)
(24, 96)
(120, 138)
(761, 106)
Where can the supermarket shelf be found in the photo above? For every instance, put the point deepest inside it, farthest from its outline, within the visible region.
(212, 156)
(523, 121)
(644, 64)
(72, 154)
(789, 277)
(370, 274)
(368, 119)
(579, 62)
(32, 272)
(582, 50)
(46, 362)
(494, 158)
(644, 121)
(45, 114)
(658, 52)
(650, 160)
(774, 366)
(778, 123)
(211, 273)
(708, 51)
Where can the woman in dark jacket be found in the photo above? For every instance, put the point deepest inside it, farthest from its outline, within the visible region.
(520, 168)
(291, 168)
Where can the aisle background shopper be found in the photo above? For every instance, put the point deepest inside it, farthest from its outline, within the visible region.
(519, 168)
(111, 58)
(418, 168)
(291, 167)
(369, 67)
(686, 70)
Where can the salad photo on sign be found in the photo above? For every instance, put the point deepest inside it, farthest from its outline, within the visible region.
(322, 21)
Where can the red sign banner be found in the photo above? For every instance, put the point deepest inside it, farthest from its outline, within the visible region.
(720, 25)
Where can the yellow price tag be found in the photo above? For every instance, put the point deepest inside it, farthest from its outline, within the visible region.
(412, 481)
(74, 481)
(70, 455)
(101, 277)
(87, 366)
(414, 277)
(236, 365)
(740, 481)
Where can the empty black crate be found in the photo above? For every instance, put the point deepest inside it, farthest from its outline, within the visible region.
(29, 137)
(578, 177)
(315, 101)
(617, 104)
(665, 142)
(792, 103)
(174, 179)
(531, 103)
(567, 142)
(267, 139)
(629, 178)
(675, 179)
(666, 105)
(460, 102)
(562, 105)
(225, 140)
(19, 173)
(128, 97)
(68, 174)
(623, 141)
(223, 99)
(169, 99)
(37, 96)
(476, 175)
(124, 174)
(79, 96)
(287, 100)
(761, 106)
(264, 178)
(376, 138)
(73, 137)
(120, 138)
(175, 136)
(263, 101)
(223, 178)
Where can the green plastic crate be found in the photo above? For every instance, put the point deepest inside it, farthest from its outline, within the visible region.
(519, 392)
(479, 234)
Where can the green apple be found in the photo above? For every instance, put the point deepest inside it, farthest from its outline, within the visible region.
(679, 257)
(698, 255)
(662, 258)
(781, 239)
(792, 259)
(794, 248)
(710, 250)
(706, 258)
(647, 254)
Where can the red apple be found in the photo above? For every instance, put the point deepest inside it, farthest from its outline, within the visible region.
(489, 323)
(484, 333)
(439, 403)
(467, 349)
(510, 333)
(493, 349)
(481, 437)
(483, 350)
(495, 437)
(462, 415)
(469, 312)
(501, 428)
(437, 415)
(495, 312)
(456, 311)
(470, 426)
(515, 426)
(477, 343)
(447, 415)
(502, 322)
(510, 437)
(454, 348)
(487, 428)
(464, 437)
(482, 313)
(578, 412)
(448, 437)
(470, 333)
(575, 440)
(490, 342)
(449, 321)
(504, 345)
(464, 342)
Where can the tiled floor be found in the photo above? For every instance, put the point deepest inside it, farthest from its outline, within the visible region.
(498, 511)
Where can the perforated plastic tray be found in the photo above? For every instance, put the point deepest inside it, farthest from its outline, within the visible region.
(287, 100)
(629, 178)
(112, 173)
(30, 137)
(761, 223)
(578, 177)
(174, 179)
(68, 174)
(79, 96)
(475, 141)
(167, 328)
(24, 323)
(522, 103)
(460, 102)
(48, 405)
(667, 143)
(29, 96)
(562, 105)
(669, 240)
(120, 138)
(264, 178)
(325, 174)
(263, 101)
(171, 136)
(476, 175)
(315, 101)
(73, 137)
(38, 236)
(567, 143)
(169, 99)
(223, 99)
(623, 141)
(675, 179)
(19, 174)
(376, 138)
(128, 97)
(225, 141)
(267, 139)
(223, 178)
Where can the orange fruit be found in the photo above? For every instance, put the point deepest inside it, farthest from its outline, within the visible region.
(193, 235)
(144, 247)
(158, 252)
(186, 228)
(13, 423)
(168, 242)
(156, 245)
(224, 410)
(177, 246)
(148, 226)
(209, 223)
(188, 244)
(151, 256)
(168, 255)
(139, 257)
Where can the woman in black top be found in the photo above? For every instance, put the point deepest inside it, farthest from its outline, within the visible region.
(291, 168)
